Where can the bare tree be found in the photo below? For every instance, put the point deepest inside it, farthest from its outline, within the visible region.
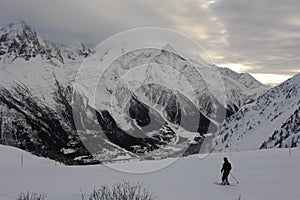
(31, 196)
(119, 191)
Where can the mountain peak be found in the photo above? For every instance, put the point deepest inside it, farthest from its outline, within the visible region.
(19, 40)
(169, 47)
(17, 29)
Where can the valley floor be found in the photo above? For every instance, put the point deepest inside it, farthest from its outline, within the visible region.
(263, 175)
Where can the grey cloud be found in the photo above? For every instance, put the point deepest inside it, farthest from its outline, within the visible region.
(261, 34)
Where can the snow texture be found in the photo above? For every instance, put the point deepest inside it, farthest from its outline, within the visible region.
(262, 174)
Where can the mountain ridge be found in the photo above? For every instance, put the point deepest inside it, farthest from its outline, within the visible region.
(270, 121)
(47, 72)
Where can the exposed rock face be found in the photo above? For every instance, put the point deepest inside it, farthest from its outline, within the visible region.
(30, 124)
(41, 112)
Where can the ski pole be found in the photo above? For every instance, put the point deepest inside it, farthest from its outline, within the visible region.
(234, 178)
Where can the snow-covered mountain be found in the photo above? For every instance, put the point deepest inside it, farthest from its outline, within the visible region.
(241, 88)
(271, 121)
(42, 112)
(29, 58)
(35, 77)
(181, 91)
(21, 41)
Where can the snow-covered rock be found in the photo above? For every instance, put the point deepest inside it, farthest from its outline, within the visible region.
(37, 76)
(271, 121)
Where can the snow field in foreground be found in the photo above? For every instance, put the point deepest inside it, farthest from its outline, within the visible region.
(263, 175)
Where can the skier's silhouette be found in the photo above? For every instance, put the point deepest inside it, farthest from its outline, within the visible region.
(225, 170)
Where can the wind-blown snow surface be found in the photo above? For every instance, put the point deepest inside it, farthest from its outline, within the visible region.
(263, 174)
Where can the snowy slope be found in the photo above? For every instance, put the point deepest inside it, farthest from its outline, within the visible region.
(271, 121)
(288, 135)
(28, 58)
(264, 174)
(12, 157)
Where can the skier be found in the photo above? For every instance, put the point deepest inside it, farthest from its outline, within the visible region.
(225, 170)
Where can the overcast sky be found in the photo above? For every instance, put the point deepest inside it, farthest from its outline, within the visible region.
(261, 37)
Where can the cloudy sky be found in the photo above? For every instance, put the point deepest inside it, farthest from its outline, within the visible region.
(261, 37)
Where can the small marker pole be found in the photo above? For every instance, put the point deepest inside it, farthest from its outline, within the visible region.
(22, 160)
(290, 151)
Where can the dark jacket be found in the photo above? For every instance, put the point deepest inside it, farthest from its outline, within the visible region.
(226, 167)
